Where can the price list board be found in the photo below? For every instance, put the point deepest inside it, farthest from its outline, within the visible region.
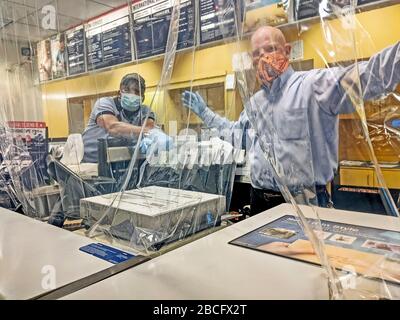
(108, 40)
(76, 50)
(217, 20)
(151, 23)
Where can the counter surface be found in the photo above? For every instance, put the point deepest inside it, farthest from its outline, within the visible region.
(211, 268)
(33, 254)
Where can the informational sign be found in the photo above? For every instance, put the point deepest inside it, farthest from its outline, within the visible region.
(151, 22)
(107, 253)
(44, 60)
(76, 50)
(217, 20)
(28, 148)
(372, 252)
(187, 20)
(297, 52)
(58, 56)
(108, 40)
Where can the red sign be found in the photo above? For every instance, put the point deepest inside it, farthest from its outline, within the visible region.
(26, 124)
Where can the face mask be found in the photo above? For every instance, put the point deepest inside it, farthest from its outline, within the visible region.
(271, 66)
(130, 101)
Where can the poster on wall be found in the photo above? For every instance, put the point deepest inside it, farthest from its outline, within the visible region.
(44, 60)
(217, 20)
(108, 40)
(27, 151)
(371, 252)
(76, 50)
(151, 22)
(58, 56)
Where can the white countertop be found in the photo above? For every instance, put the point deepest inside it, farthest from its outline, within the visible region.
(31, 250)
(210, 268)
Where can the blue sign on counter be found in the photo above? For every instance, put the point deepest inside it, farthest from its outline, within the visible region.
(106, 253)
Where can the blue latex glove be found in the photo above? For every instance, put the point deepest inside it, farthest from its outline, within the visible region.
(145, 144)
(164, 142)
(194, 102)
(157, 139)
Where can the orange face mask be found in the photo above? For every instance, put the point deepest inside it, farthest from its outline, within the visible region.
(271, 66)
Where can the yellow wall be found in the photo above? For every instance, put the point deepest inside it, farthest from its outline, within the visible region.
(55, 94)
(375, 30)
(212, 64)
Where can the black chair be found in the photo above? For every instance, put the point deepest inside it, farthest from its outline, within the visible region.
(115, 155)
(72, 188)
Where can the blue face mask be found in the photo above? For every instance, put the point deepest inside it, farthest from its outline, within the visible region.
(130, 102)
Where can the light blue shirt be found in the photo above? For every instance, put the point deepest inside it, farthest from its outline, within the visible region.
(296, 120)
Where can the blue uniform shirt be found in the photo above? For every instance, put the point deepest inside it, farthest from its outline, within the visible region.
(296, 120)
(93, 131)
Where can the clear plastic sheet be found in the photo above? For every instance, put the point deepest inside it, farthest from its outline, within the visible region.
(295, 117)
(23, 170)
(171, 174)
(151, 217)
(282, 143)
(125, 163)
(363, 82)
